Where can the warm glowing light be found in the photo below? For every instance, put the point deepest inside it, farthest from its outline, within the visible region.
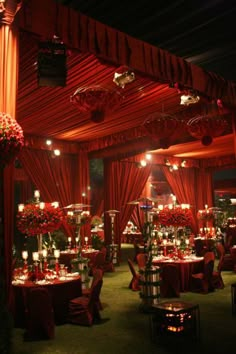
(41, 205)
(143, 163)
(20, 207)
(44, 253)
(56, 253)
(35, 256)
(25, 255)
(55, 204)
(49, 142)
(148, 157)
(36, 194)
(57, 152)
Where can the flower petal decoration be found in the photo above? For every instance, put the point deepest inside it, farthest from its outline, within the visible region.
(34, 221)
(161, 127)
(205, 128)
(177, 216)
(11, 139)
(97, 100)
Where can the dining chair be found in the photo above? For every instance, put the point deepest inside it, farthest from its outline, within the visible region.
(227, 260)
(134, 283)
(202, 282)
(84, 310)
(170, 283)
(97, 275)
(39, 315)
(98, 263)
(217, 280)
(141, 260)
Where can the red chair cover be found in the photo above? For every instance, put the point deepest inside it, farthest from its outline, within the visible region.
(134, 283)
(39, 315)
(84, 310)
(203, 282)
(141, 260)
(97, 275)
(227, 261)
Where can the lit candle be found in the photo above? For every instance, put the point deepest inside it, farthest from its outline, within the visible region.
(160, 207)
(36, 194)
(206, 206)
(164, 242)
(57, 253)
(25, 255)
(20, 207)
(45, 253)
(170, 206)
(187, 242)
(41, 205)
(55, 204)
(77, 239)
(35, 256)
(69, 239)
(86, 239)
(178, 242)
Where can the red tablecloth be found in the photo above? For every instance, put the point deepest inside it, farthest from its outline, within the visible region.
(66, 257)
(61, 292)
(134, 237)
(186, 269)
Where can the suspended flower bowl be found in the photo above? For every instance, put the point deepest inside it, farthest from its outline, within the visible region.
(205, 128)
(96, 100)
(161, 127)
(11, 139)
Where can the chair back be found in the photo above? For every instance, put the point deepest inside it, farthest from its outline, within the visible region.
(131, 267)
(141, 260)
(99, 259)
(209, 256)
(220, 249)
(94, 296)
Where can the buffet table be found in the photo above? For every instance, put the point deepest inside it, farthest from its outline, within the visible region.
(186, 267)
(61, 291)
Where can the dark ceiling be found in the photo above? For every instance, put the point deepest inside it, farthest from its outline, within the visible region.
(202, 32)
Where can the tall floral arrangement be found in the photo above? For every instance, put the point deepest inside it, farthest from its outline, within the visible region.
(11, 138)
(176, 216)
(34, 220)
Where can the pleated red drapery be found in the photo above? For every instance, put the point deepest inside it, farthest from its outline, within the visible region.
(124, 182)
(183, 185)
(59, 179)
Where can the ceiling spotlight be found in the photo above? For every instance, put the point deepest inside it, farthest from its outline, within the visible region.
(183, 163)
(2, 6)
(49, 142)
(57, 152)
(148, 157)
(143, 163)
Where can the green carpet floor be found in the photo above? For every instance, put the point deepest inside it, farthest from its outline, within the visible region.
(125, 329)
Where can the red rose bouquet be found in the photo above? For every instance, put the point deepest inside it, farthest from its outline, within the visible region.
(176, 216)
(34, 220)
(11, 138)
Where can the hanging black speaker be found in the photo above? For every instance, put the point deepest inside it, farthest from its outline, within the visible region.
(52, 70)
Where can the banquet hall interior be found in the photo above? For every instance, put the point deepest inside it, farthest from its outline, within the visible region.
(118, 178)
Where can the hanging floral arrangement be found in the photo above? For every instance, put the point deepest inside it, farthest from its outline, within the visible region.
(176, 216)
(33, 220)
(11, 139)
(85, 218)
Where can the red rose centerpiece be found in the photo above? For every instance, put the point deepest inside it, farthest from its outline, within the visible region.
(39, 218)
(176, 216)
(11, 139)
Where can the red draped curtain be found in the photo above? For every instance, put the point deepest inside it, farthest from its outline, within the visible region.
(183, 183)
(124, 182)
(204, 188)
(62, 179)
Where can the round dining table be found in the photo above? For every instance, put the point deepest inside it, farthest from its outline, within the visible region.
(67, 256)
(186, 267)
(61, 292)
